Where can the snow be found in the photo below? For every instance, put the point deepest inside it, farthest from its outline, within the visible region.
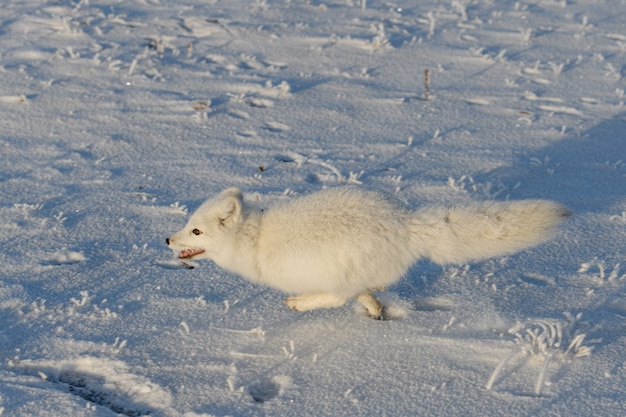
(121, 117)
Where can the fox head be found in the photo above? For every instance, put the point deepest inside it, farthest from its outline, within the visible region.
(207, 232)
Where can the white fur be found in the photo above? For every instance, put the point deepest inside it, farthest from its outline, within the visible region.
(339, 244)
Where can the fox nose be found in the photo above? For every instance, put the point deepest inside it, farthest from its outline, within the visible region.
(167, 241)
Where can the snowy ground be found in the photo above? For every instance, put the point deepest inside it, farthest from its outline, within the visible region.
(120, 117)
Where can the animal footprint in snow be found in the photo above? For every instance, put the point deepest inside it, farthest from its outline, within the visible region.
(104, 382)
(276, 127)
(65, 257)
(269, 389)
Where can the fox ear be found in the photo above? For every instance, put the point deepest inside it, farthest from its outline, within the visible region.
(230, 208)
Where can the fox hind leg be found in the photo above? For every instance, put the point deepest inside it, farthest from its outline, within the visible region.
(375, 309)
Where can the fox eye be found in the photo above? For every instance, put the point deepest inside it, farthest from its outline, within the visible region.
(196, 232)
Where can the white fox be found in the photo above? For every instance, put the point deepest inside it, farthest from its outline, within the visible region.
(342, 243)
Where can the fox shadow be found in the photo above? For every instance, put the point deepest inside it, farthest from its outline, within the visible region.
(586, 171)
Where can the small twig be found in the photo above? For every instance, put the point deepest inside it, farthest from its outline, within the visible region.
(494, 375)
(542, 375)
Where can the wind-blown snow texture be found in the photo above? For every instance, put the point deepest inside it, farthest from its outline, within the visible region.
(120, 117)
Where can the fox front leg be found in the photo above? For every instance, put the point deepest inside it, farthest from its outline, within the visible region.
(309, 302)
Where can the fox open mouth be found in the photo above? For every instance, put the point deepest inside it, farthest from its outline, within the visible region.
(188, 253)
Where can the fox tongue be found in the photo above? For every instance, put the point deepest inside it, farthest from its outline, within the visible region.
(187, 253)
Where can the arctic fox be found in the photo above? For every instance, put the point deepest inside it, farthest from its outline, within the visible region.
(342, 243)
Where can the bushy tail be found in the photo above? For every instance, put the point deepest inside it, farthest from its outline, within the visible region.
(482, 230)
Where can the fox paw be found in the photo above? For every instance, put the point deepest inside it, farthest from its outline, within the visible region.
(378, 315)
(292, 303)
